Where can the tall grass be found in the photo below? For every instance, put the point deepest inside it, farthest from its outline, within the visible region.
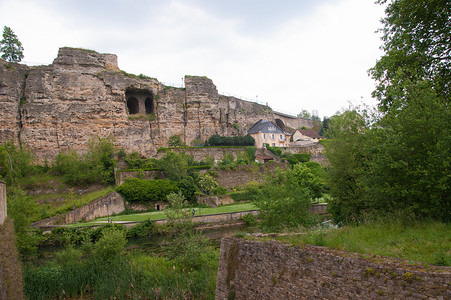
(137, 276)
(400, 236)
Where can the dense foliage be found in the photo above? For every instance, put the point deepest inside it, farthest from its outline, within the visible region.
(217, 140)
(416, 37)
(141, 190)
(15, 163)
(286, 197)
(398, 158)
(96, 165)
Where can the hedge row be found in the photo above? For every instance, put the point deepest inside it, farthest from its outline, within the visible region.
(139, 190)
(217, 140)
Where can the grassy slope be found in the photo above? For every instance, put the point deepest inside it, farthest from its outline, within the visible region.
(54, 197)
(421, 241)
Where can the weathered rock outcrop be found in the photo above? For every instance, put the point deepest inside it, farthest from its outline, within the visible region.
(83, 94)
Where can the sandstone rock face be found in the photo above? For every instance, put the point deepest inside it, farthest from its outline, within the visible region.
(84, 95)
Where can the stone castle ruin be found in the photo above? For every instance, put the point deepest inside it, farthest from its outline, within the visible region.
(83, 94)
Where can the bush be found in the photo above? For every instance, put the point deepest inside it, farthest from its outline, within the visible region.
(134, 161)
(175, 141)
(219, 190)
(140, 190)
(302, 157)
(174, 165)
(15, 163)
(250, 219)
(207, 183)
(275, 150)
(111, 245)
(68, 256)
(95, 166)
(188, 188)
(143, 229)
(217, 140)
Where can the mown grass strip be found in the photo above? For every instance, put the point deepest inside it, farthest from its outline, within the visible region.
(156, 215)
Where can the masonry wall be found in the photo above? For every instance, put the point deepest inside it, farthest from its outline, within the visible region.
(105, 206)
(242, 175)
(199, 154)
(270, 270)
(3, 211)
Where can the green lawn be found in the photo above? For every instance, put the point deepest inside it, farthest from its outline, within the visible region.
(156, 215)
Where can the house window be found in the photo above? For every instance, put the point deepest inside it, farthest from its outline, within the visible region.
(281, 137)
(264, 136)
(272, 136)
(273, 144)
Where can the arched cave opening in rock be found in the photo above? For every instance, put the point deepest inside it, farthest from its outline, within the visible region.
(133, 106)
(149, 105)
(280, 124)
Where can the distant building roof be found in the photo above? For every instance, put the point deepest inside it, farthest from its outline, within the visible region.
(310, 133)
(265, 127)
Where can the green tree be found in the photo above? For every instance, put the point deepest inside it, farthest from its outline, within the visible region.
(286, 197)
(304, 114)
(175, 141)
(324, 126)
(174, 165)
(207, 183)
(11, 47)
(344, 152)
(417, 46)
(399, 158)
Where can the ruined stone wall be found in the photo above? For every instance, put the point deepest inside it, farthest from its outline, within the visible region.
(3, 210)
(269, 270)
(82, 95)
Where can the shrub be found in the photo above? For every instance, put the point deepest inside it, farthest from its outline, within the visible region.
(134, 160)
(275, 150)
(219, 190)
(217, 140)
(250, 219)
(111, 245)
(143, 229)
(302, 157)
(174, 165)
(68, 256)
(15, 163)
(188, 188)
(95, 166)
(139, 190)
(175, 141)
(207, 183)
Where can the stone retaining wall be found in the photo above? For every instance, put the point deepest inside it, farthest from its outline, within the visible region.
(241, 175)
(3, 211)
(112, 203)
(270, 270)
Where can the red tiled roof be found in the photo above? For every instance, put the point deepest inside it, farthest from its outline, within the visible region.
(310, 133)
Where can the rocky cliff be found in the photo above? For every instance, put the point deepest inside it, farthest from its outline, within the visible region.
(83, 94)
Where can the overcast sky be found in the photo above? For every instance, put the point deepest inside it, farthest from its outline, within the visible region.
(294, 55)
